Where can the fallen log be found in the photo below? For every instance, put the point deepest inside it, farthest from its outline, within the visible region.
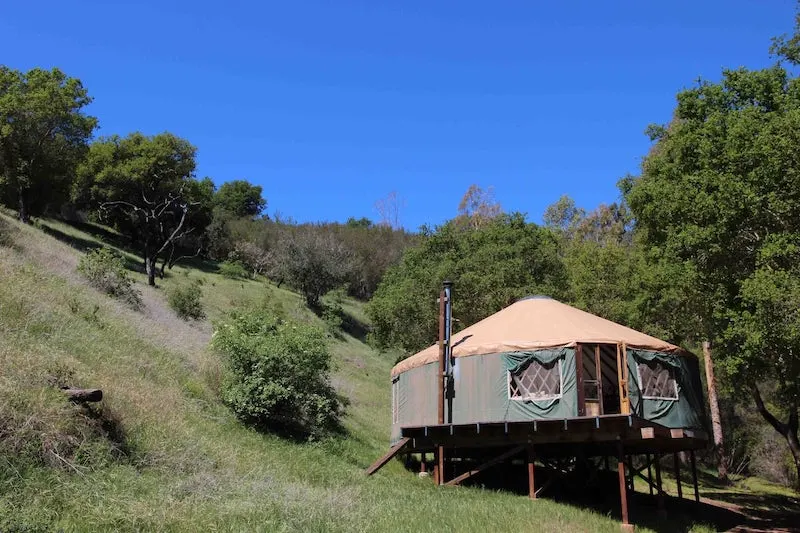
(83, 395)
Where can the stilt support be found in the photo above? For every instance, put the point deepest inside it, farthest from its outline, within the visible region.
(649, 474)
(439, 468)
(531, 472)
(499, 459)
(623, 488)
(677, 466)
(662, 510)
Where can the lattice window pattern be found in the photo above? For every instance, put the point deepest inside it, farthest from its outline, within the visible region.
(657, 381)
(536, 381)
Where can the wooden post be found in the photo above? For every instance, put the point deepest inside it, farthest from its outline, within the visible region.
(623, 489)
(622, 374)
(677, 465)
(694, 476)
(660, 496)
(423, 468)
(440, 464)
(649, 473)
(531, 472)
(716, 421)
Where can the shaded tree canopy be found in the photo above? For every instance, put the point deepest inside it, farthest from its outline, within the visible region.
(145, 187)
(240, 198)
(491, 266)
(43, 135)
(719, 198)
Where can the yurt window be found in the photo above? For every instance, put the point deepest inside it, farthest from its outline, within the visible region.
(536, 381)
(657, 381)
(395, 400)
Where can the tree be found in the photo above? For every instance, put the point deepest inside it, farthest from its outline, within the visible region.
(145, 187)
(389, 210)
(478, 206)
(312, 262)
(43, 135)
(362, 222)
(563, 215)
(240, 198)
(719, 198)
(491, 267)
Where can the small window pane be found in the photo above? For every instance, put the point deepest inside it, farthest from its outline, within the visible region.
(536, 381)
(657, 381)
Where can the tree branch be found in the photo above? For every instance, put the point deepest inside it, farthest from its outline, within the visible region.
(779, 426)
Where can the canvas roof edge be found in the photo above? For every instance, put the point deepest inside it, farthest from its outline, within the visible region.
(413, 361)
(560, 325)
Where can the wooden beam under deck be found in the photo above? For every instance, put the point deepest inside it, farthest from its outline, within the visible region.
(394, 450)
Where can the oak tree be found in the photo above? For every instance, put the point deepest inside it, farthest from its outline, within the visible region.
(44, 133)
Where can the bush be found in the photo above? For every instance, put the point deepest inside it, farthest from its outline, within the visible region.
(106, 272)
(185, 301)
(277, 374)
(232, 270)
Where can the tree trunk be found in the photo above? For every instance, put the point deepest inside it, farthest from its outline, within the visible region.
(24, 214)
(716, 422)
(788, 430)
(150, 268)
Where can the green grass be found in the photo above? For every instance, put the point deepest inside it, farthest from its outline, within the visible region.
(163, 454)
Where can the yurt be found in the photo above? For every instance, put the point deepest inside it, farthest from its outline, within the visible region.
(541, 359)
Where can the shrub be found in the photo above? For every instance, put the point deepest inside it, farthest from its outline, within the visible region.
(185, 301)
(106, 272)
(277, 374)
(332, 316)
(232, 270)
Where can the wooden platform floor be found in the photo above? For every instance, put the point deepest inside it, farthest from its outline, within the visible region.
(588, 436)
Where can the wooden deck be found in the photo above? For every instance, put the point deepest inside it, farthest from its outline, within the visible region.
(590, 435)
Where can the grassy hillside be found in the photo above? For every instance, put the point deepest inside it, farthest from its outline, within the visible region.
(162, 453)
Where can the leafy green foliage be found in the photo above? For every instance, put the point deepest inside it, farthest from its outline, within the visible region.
(106, 272)
(719, 198)
(491, 266)
(232, 270)
(43, 135)
(145, 187)
(185, 300)
(277, 374)
(240, 198)
(312, 262)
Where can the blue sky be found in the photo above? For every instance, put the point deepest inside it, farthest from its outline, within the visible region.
(332, 105)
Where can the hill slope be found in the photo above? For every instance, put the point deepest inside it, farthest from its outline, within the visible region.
(162, 453)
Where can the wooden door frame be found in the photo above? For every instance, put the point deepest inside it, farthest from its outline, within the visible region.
(622, 378)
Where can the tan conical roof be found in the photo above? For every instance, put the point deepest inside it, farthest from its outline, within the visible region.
(534, 323)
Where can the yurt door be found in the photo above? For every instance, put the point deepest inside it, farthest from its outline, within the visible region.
(592, 382)
(598, 380)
